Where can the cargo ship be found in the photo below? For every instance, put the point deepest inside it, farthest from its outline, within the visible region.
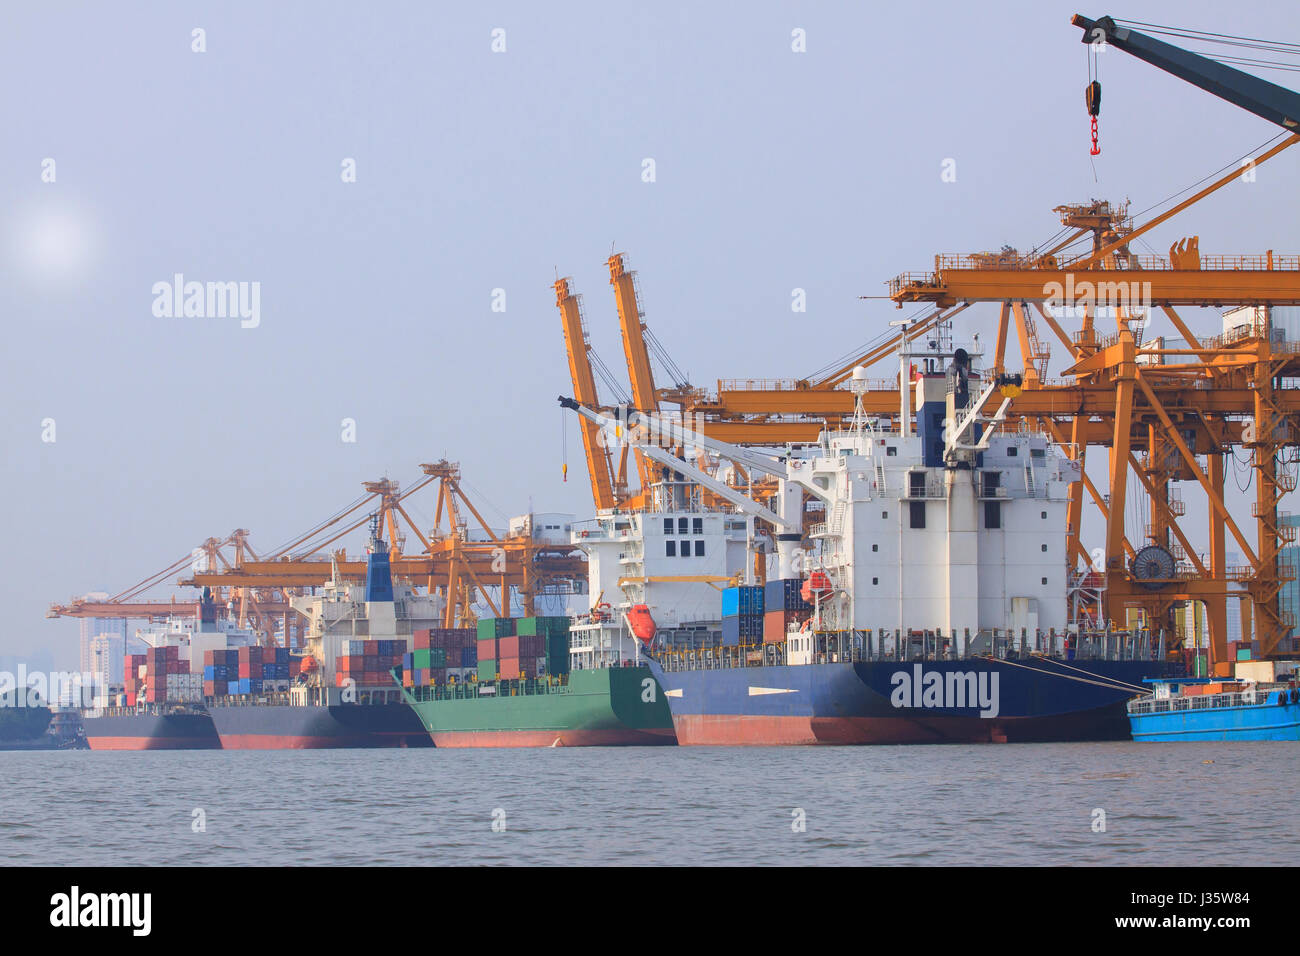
(605, 707)
(161, 705)
(337, 690)
(930, 603)
(539, 682)
(1260, 702)
(553, 681)
(151, 727)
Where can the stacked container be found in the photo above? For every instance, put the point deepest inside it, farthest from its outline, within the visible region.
(439, 654)
(742, 615)
(220, 669)
(149, 677)
(367, 662)
(552, 644)
(783, 605)
(491, 630)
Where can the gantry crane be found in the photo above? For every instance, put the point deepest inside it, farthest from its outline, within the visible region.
(451, 563)
(1156, 409)
(263, 607)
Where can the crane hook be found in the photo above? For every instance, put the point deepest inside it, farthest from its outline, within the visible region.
(1092, 96)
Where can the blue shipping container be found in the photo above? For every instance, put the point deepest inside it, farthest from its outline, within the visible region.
(469, 656)
(730, 602)
(751, 600)
(782, 594)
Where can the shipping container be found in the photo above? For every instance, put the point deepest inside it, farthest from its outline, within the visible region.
(783, 594)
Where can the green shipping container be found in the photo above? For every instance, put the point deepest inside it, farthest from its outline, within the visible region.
(487, 670)
(438, 657)
(487, 628)
(1243, 653)
(421, 659)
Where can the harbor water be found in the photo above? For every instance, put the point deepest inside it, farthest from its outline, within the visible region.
(1208, 804)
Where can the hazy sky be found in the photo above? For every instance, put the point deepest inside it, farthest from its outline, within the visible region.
(479, 170)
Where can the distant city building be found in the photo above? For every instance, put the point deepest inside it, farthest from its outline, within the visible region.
(94, 627)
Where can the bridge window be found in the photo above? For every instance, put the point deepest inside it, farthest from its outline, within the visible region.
(992, 514)
(699, 549)
(668, 526)
(681, 525)
(686, 549)
(697, 526)
(670, 549)
(918, 514)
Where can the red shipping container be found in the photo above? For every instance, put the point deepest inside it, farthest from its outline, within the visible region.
(508, 648)
(422, 638)
(130, 698)
(777, 623)
(209, 688)
(487, 649)
(508, 669)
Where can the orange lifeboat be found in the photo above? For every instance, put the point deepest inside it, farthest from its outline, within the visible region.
(818, 585)
(642, 624)
(308, 665)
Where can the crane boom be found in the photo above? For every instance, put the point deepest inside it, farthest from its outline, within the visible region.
(599, 465)
(1267, 100)
(665, 457)
(639, 372)
(677, 434)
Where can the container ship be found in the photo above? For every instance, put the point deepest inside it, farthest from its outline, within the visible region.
(931, 603)
(522, 691)
(337, 690)
(1261, 701)
(161, 706)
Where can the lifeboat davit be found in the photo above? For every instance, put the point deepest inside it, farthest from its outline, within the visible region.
(642, 624)
(818, 585)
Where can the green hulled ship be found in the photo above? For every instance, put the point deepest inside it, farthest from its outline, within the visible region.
(601, 707)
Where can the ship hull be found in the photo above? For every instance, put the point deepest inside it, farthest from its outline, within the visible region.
(884, 702)
(1269, 721)
(615, 707)
(151, 732)
(312, 727)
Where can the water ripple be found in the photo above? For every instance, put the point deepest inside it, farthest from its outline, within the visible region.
(1026, 804)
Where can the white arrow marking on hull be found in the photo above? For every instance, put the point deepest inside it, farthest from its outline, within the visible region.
(675, 692)
(756, 691)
